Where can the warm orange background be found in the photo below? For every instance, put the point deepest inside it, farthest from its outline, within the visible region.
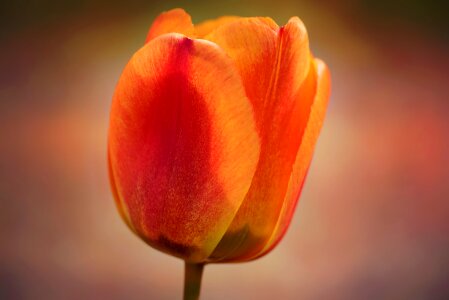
(372, 222)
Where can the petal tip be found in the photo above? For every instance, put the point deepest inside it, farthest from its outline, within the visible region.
(174, 20)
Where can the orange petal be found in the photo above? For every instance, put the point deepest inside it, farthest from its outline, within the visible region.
(274, 65)
(175, 20)
(207, 27)
(252, 45)
(304, 156)
(183, 144)
(204, 28)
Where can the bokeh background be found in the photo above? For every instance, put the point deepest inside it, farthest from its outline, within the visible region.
(373, 220)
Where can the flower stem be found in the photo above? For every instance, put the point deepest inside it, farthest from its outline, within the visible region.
(192, 280)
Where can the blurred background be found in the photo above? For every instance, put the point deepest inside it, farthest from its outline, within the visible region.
(373, 220)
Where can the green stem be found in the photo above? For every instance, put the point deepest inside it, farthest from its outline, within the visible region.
(192, 280)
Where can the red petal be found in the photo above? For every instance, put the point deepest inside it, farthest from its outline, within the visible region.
(183, 144)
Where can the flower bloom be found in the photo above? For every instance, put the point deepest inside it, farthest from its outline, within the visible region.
(212, 131)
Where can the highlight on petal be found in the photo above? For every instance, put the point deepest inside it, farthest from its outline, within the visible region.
(175, 20)
(276, 73)
(304, 156)
(183, 144)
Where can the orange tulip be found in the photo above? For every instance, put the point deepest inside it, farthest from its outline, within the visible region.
(212, 130)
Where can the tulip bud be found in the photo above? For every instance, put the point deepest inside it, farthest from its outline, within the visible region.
(212, 130)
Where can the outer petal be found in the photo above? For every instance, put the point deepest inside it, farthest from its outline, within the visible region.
(175, 20)
(304, 156)
(183, 145)
(274, 65)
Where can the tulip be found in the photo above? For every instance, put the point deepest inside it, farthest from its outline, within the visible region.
(212, 131)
